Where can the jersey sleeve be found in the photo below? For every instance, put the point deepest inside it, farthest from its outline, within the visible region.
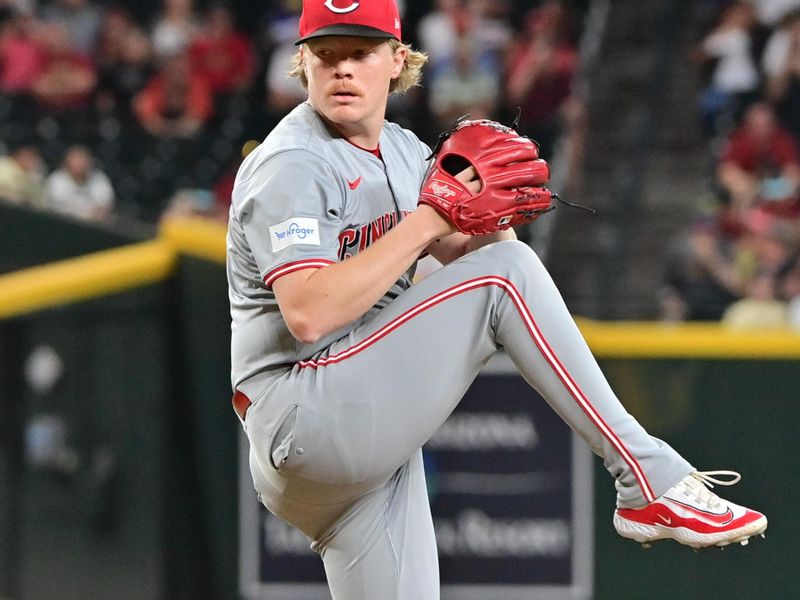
(289, 208)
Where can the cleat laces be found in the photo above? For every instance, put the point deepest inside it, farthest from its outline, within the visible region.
(698, 486)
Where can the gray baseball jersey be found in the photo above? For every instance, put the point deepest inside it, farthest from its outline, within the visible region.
(336, 427)
(305, 198)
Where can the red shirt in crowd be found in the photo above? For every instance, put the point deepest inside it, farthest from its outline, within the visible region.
(552, 86)
(66, 79)
(164, 99)
(20, 63)
(226, 63)
(763, 158)
(767, 158)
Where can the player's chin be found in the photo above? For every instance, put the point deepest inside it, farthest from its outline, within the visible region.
(345, 114)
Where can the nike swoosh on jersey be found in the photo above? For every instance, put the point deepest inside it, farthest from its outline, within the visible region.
(354, 184)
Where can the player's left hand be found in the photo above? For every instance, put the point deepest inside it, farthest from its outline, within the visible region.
(469, 177)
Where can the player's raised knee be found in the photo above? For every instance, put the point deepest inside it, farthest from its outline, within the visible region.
(511, 259)
(516, 246)
(512, 251)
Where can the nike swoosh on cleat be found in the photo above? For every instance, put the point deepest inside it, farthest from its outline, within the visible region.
(711, 518)
(666, 520)
(354, 184)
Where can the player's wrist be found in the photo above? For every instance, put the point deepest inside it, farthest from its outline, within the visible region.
(433, 223)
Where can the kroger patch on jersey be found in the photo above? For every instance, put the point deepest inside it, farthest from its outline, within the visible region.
(292, 232)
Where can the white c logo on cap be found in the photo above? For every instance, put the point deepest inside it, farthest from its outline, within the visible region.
(329, 5)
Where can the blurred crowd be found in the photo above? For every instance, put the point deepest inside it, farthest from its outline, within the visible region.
(739, 262)
(114, 110)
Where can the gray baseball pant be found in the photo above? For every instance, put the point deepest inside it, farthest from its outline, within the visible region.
(335, 441)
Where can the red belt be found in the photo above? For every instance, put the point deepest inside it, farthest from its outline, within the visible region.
(240, 404)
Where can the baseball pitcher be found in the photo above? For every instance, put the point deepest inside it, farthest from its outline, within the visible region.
(342, 369)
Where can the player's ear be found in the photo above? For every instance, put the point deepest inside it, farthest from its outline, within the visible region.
(400, 56)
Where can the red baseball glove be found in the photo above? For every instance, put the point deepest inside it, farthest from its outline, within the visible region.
(511, 173)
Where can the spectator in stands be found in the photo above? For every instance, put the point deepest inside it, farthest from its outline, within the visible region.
(21, 55)
(440, 31)
(771, 12)
(81, 18)
(702, 276)
(541, 69)
(759, 309)
(491, 32)
(78, 189)
(22, 176)
(175, 28)
(177, 102)
(782, 68)
(221, 54)
(770, 243)
(735, 80)
(463, 88)
(283, 93)
(116, 25)
(759, 168)
(66, 79)
(125, 72)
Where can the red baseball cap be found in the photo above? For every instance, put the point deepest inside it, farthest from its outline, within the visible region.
(363, 18)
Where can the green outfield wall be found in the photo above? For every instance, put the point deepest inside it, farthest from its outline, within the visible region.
(148, 508)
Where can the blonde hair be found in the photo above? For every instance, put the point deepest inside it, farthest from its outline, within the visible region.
(409, 77)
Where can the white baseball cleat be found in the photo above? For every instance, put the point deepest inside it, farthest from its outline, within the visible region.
(691, 514)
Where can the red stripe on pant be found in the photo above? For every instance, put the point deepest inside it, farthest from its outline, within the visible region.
(538, 339)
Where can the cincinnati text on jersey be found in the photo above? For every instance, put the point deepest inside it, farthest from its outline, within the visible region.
(356, 238)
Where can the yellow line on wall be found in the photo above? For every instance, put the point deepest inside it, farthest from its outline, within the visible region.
(110, 271)
(686, 340)
(196, 237)
(85, 277)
